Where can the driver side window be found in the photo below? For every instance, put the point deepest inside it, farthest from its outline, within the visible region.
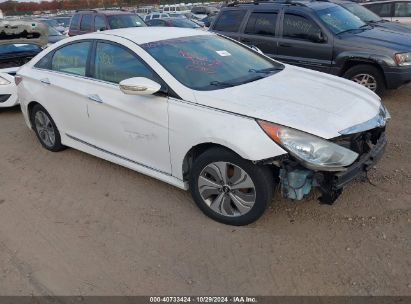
(301, 28)
(114, 64)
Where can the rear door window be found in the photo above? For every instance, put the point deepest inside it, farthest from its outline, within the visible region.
(99, 23)
(230, 21)
(86, 21)
(261, 24)
(402, 9)
(381, 9)
(71, 59)
(75, 22)
(114, 64)
(299, 27)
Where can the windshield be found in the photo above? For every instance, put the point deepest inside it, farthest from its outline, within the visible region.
(19, 48)
(361, 12)
(340, 20)
(185, 23)
(210, 62)
(123, 21)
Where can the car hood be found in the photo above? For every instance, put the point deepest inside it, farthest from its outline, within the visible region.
(306, 100)
(394, 26)
(20, 32)
(382, 37)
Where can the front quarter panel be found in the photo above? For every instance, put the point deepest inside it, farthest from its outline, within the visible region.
(191, 124)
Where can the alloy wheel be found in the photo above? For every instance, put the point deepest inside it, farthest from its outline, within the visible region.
(366, 80)
(45, 129)
(227, 189)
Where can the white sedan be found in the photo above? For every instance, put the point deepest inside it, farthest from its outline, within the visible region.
(204, 113)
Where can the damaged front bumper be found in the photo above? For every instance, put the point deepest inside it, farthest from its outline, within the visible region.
(297, 181)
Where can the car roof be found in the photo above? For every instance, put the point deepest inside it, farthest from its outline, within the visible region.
(315, 5)
(105, 12)
(142, 35)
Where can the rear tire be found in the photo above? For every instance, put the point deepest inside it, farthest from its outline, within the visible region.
(45, 129)
(230, 189)
(368, 76)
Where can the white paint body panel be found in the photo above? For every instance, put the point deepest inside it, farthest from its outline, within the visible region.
(8, 89)
(153, 134)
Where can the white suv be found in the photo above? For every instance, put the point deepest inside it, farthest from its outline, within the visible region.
(204, 113)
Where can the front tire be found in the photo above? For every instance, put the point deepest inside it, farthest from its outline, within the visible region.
(230, 189)
(45, 129)
(367, 75)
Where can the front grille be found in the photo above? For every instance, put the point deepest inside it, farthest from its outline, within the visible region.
(362, 142)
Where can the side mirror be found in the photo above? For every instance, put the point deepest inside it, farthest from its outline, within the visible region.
(139, 86)
(102, 29)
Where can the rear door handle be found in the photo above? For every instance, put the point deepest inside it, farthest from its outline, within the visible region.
(96, 98)
(285, 45)
(45, 81)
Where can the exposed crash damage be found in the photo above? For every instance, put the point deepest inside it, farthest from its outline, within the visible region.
(298, 176)
(20, 41)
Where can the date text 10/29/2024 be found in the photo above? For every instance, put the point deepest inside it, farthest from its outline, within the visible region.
(203, 299)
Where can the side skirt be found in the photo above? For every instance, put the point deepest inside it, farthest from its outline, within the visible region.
(76, 143)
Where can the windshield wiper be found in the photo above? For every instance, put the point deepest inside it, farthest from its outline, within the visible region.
(227, 84)
(267, 70)
(223, 84)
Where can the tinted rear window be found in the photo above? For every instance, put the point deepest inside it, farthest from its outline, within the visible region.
(262, 24)
(229, 21)
(381, 9)
(86, 23)
(75, 22)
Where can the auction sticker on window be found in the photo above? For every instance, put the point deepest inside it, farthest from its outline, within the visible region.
(223, 53)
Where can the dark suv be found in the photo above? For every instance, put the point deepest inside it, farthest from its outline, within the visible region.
(87, 21)
(322, 36)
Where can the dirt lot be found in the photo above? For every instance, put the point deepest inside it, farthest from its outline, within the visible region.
(73, 224)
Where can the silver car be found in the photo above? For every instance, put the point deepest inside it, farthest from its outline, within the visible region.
(392, 10)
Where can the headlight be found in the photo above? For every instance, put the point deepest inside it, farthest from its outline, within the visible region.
(315, 153)
(4, 81)
(403, 59)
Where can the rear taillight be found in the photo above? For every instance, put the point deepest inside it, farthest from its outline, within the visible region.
(18, 79)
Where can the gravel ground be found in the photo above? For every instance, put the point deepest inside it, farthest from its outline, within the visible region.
(72, 224)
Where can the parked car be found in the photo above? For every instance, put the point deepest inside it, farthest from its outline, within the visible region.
(54, 35)
(87, 21)
(322, 36)
(203, 11)
(208, 20)
(20, 42)
(371, 18)
(175, 22)
(63, 21)
(156, 15)
(392, 10)
(52, 23)
(205, 113)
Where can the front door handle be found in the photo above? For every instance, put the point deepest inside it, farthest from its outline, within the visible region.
(285, 45)
(96, 98)
(45, 81)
